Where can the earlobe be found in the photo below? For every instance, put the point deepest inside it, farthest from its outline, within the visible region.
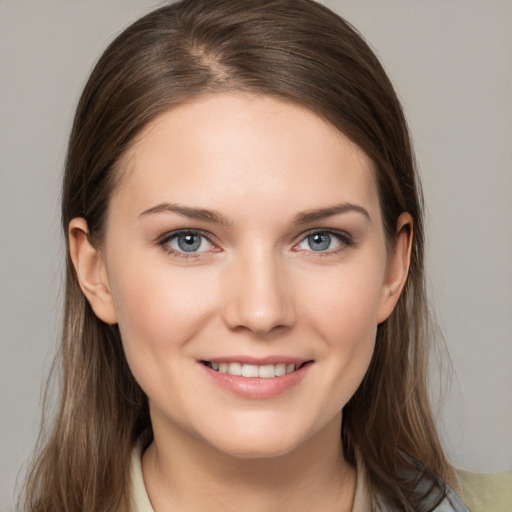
(398, 266)
(91, 271)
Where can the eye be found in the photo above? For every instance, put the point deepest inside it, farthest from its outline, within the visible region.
(324, 241)
(186, 241)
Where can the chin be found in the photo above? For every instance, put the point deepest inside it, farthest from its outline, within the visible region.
(257, 441)
(255, 449)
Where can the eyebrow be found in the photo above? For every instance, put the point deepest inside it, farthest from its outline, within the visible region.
(189, 212)
(324, 213)
(215, 217)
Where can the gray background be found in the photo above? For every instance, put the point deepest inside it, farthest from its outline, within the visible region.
(451, 63)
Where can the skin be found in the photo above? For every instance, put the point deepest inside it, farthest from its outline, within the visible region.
(255, 288)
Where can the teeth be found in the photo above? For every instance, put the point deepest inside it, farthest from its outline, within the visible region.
(280, 370)
(235, 369)
(249, 370)
(266, 371)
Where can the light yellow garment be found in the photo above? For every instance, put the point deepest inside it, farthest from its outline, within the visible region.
(480, 492)
(490, 492)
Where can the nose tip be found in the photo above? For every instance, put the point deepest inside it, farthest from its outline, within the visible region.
(259, 300)
(260, 320)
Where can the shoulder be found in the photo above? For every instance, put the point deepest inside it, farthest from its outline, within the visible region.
(486, 492)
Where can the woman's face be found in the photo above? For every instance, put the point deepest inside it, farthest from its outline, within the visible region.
(246, 237)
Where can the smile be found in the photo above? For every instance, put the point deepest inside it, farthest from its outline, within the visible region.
(266, 371)
(250, 380)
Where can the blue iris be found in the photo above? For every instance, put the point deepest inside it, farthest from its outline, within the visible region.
(319, 241)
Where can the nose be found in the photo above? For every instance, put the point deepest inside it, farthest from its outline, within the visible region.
(259, 295)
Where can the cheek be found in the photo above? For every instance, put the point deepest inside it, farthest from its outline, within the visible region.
(346, 300)
(344, 315)
(159, 313)
(158, 307)
(348, 325)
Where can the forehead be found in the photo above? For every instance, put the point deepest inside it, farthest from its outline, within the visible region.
(247, 146)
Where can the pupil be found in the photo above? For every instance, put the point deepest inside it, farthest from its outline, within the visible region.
(189, 243)
(319, 241)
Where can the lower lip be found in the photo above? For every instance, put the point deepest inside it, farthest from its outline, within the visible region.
(256, 388)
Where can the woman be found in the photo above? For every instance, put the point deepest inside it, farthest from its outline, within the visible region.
(245, 318)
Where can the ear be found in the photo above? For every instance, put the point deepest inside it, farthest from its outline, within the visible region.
(91, 271)
(397, 267)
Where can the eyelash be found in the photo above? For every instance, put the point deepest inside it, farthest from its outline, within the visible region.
(345, 239)
(168, 237)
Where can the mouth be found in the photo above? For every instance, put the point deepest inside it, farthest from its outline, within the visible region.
(265, 371)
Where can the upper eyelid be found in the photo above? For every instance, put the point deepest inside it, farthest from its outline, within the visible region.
(337, 232)
(345, 239)
(169, 235)
(163, 242)
(340, 233)
(207, 234)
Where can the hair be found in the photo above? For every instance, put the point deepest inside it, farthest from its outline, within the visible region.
(297, 51)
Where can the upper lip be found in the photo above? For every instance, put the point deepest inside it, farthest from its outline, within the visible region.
(259, 361)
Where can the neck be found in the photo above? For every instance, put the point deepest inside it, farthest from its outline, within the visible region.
(186, 474)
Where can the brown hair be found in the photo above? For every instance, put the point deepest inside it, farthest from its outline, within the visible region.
(298, 51)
